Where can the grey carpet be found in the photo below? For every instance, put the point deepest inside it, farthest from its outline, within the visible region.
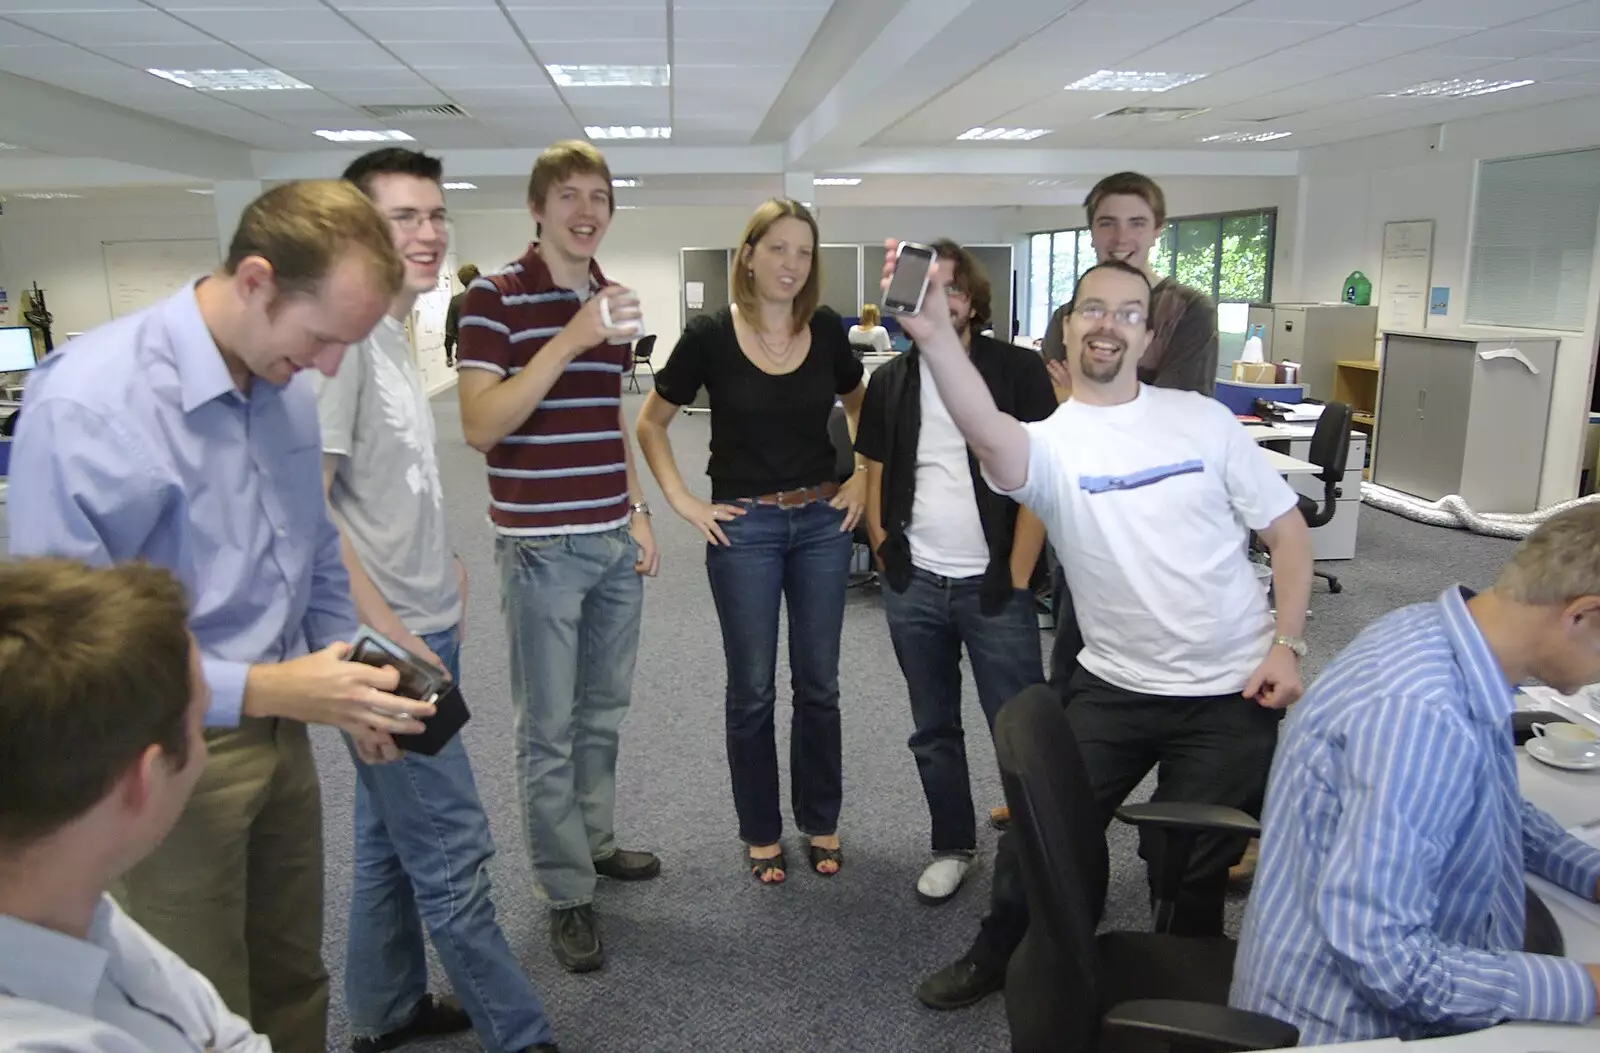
(703, 959)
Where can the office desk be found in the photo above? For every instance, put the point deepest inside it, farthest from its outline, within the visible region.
(1335, 539)
(1285, 465)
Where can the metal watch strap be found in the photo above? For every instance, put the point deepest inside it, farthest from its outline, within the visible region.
(639, 508)
(1294, 643)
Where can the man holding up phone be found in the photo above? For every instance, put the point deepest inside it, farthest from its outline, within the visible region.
(422, 840)
(181, 435)
(544, 344)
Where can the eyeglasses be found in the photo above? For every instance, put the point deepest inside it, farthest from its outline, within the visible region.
(1095, 312)
(955, 290)
(409, 219)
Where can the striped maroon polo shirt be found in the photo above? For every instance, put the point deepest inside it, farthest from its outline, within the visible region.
(563, 471)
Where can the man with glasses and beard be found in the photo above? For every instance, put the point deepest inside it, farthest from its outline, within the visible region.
(1148, 494)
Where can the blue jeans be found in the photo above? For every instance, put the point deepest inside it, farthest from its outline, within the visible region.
(572, 604)
(422, 850)
(928, 624)
(799, 555)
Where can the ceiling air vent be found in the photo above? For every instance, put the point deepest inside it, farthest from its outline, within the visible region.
(447, 112)
(1156, 113)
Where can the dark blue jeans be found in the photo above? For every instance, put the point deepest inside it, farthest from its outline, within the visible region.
(929, 623)
(798, 555)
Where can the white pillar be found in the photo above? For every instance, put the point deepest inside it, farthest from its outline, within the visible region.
(799, 186)
(230, 198)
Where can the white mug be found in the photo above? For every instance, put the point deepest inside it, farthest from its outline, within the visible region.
(1567, 742)
(637, 325)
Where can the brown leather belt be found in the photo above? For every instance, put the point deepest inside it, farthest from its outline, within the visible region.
(795, 498)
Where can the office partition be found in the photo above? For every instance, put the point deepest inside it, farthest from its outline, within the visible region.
(707, 271)
(841, 279)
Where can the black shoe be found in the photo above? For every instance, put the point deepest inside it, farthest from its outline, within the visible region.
(960, 984)
(434, 1016)
(623, 865)
(575, 939)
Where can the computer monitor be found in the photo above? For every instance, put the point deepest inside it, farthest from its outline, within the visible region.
(16, 348)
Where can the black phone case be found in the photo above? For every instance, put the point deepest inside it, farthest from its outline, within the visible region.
(419, 680)
(439, 729)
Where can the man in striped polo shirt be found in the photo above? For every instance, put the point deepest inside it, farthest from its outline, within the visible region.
(541, 397)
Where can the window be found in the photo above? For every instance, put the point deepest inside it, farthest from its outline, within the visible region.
(1228, 256)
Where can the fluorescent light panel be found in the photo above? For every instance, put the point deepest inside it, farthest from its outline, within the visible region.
(837, 181)
(46, 195)
(610, 76)
(207, 191)
(624, 184)
(1245, 137)
(1457, 88)
(9, 146)
(1130, 80)
(462, 185)
(632, 131)
(232, 79)
(364, 135)
(1003, 134)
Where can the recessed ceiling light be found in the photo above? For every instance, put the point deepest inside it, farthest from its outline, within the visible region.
(1128, 80)
(9, 146)
(463, 185)
(1454, 89)
(837, 181)
(626, 208)
(1044, 182)
(624, 184)
(1004, 134)
(364, 135)
(610, 76)
(232, 79)
(1245, 137)
(46, 195)
(199, 190)
(633, 131)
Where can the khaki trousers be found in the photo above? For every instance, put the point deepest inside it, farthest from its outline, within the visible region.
(236, 888)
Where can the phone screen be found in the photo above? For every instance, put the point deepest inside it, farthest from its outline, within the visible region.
(416, 681)
(909, 280)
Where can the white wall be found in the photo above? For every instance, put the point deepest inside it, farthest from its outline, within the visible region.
(1349, 191)
(641, 248)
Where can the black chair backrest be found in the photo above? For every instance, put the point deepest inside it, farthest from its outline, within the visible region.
(1330, 442)
(844, 454)
(643, 349)
(1053, 986)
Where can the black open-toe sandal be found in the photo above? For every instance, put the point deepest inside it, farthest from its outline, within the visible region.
(760, 868)
(820, 855)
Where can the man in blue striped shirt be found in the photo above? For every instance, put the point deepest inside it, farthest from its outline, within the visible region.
(1389, 900)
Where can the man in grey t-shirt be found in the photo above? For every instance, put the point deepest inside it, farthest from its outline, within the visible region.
(422, 843)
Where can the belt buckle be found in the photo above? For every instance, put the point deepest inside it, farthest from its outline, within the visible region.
(792, 498)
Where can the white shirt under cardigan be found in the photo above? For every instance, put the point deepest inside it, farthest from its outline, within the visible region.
(945, 532)
(119, 991)
(1149, 505)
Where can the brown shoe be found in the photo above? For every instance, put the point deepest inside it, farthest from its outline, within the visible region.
(1000, 817)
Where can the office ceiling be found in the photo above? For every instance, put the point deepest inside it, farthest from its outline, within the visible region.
(825, 86)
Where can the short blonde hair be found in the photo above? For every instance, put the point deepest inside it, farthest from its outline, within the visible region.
(743, 282)
(304, 228)
(564, 160)
(869, 315)
(1558, 563)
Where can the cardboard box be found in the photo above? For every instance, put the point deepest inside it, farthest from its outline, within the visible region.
(1255, 372)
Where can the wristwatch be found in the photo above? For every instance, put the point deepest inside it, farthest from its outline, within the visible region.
(1293, 643)
(639, 509)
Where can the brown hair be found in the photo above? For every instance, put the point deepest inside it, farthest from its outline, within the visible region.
(95, 666)
(303, 229)
(869, 315)
(564, 160)
(467, 274)
(967, 274)
(743, 283)
(1140, 186)
(1558, 563)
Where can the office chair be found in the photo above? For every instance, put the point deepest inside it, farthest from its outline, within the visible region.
(641, 357)
(845, 466)
(1069, 990)
(1330, 449)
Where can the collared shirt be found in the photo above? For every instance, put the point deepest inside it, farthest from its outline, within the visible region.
(135, 443)
(1389, 898)
(119, 991)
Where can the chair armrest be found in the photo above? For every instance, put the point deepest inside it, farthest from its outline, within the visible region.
(1184, 815)
(1201, 1026)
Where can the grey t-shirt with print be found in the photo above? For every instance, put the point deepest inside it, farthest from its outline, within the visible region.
(386, 495)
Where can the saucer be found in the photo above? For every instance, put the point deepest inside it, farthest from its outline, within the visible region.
(1539, 751)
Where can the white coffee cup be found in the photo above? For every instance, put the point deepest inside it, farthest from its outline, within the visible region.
(1567, 742)
(637, 324)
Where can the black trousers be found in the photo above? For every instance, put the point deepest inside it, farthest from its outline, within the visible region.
(1215, 749)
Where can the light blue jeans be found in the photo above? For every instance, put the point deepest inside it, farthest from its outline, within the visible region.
(422, 850)
(572, 605)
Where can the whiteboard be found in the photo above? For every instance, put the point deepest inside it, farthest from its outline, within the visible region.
(140, 273)
(1403, 286)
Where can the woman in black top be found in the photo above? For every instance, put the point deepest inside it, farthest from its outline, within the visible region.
(779, 521)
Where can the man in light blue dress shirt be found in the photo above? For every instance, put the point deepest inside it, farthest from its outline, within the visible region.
(101, 744)
(1390, 900)
(181, 435)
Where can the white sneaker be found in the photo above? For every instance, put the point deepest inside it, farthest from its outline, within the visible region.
(942, 879)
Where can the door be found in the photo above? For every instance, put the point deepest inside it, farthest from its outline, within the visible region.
(1426, 388)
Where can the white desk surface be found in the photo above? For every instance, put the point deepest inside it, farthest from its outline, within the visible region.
(1286, 465)
(1278, 432)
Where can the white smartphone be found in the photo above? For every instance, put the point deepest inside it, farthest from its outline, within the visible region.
(909, 284)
